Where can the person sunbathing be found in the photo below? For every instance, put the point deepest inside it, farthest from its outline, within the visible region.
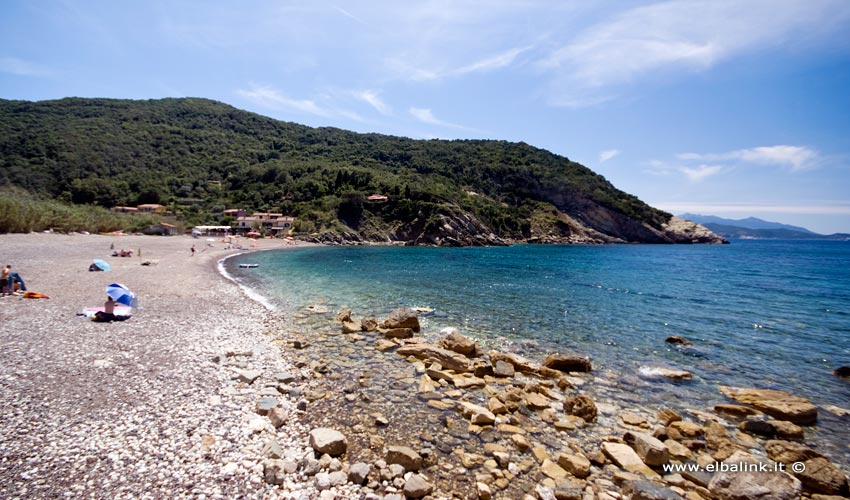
(108, 313)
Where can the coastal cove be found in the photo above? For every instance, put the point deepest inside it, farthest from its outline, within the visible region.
(767, 314)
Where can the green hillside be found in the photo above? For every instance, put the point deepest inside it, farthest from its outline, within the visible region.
(200, 157)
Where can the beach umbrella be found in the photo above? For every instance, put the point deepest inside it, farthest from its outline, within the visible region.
(122, 295)
(101, 264)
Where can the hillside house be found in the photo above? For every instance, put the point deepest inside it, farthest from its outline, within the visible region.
(272, 223)
(124, 210)
(151, 208)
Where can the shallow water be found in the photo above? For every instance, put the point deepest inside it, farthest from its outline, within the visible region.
(767, 314)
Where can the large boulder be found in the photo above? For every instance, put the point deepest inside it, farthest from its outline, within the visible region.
(778, 404)
(330, 441)
(788, 452)
(577, 465)
(581, 406)
(567, 363)
(449, 360)
(520, 364)
(822, 476)
(476, 414)
(402, 318)
(625, 458)
(368, 324)
(652, 451)
(404, 456)
(417, 486)
(737, 484)
(458, 343)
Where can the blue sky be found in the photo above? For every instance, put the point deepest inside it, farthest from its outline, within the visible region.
(730, 108)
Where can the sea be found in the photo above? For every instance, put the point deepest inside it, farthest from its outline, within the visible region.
(759, 313)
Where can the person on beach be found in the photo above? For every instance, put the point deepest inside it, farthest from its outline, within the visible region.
(8, 280)
(108, 313)
(193, 250)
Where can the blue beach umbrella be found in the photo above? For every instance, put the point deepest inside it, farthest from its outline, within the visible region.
(101, 264)
(122, 295)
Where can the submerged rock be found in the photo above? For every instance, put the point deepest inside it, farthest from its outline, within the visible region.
(449, 360)
(677, 340)
(567, 363)
(779, 404)
(842, 371)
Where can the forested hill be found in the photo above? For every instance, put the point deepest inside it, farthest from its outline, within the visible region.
(200, 157)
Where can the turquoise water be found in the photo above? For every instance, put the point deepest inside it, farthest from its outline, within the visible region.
(770, 314)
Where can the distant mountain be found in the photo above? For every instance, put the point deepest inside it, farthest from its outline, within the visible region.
(748, 223)
(753, 228)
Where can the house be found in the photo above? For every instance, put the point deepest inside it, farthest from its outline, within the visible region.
(162, 229)
(151, 208)
(124, 210)
(272, 223)
(377, 198)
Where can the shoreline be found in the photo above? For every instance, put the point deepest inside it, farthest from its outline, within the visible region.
(325, 352)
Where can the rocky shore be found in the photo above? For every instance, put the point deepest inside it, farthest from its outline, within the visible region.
(204, 394)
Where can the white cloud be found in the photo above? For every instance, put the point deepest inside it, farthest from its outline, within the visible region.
(271, 98)
(682, 35)
(487, 64)
(796, 158)
(425, 115)
(700, 173)
(607, 155)
(371, 97)
(491, 63)
(19, 67)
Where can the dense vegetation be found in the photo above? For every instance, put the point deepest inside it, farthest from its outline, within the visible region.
(199, 157)
(22, 212)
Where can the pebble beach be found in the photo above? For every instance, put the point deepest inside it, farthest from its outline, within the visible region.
(140, 408)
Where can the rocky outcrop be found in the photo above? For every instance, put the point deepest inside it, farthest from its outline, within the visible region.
(567, 363)
(449, 360)
(402, 318)
(736, 484)
(822, 476)
(779, 404)
(456, 342)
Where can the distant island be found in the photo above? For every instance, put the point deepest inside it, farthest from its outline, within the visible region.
(758, 229)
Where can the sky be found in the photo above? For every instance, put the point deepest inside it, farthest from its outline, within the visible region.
(731, 108)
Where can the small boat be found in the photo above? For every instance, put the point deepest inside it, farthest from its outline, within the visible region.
(248, 266)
